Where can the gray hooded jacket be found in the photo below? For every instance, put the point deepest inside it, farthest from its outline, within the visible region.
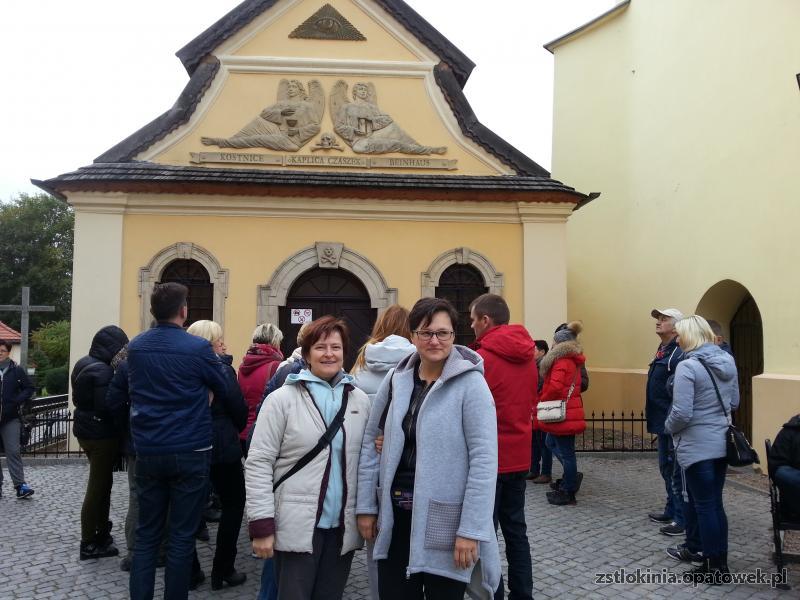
(381, 357)
(456, 469)
(696, 420)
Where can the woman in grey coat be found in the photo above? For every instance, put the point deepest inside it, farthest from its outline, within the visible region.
(698, 424)
(429, 496)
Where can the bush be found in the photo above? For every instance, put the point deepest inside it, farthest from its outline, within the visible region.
(56, 381)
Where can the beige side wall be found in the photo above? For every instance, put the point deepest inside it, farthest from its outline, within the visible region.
(251, 248)
(685, 116)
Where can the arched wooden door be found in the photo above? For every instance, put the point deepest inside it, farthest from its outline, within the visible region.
(334, 292)
(461, 284)
(747, 343)
(201, 291)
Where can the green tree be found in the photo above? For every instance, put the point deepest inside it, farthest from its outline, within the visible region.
(52, 340)
(36, 235)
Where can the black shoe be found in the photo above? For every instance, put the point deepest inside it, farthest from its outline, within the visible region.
(578, 482)
(91, 550)
(555, 485)
(683, 554)
(672, 529)
(202, 533)
(198, 577)
(659, 518)
(212, 515)
(233, 579)
(125, 563)
(561, 498)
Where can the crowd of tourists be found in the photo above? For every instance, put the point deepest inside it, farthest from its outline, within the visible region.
(423, 450)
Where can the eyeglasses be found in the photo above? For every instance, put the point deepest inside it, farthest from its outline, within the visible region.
(442, 335)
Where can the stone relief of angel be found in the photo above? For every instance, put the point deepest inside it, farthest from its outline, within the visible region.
(365, 128)
(286, 125)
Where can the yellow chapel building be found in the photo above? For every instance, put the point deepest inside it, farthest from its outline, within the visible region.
(322, 159)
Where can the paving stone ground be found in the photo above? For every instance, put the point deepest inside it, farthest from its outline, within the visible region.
(608, 530)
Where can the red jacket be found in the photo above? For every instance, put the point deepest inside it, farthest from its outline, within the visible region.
(510, 371)
(258, 365)
(561, 366)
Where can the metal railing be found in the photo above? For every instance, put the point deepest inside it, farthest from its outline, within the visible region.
(50, 422)
(616, 432)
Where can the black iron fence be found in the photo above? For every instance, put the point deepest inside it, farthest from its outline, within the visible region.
(616, 432)
(50, 425)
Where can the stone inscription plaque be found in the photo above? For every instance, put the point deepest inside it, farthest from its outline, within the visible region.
(307, 160)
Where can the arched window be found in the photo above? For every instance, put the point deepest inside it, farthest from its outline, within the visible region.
(201, 291)
(461, 284)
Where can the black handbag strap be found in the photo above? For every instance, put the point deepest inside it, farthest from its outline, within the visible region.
(324, 441)
(385, 413)
(716, 389)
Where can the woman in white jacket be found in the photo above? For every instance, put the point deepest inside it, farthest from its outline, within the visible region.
(308, 518)
(389, 344)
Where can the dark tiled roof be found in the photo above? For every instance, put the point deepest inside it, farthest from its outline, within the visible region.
(125, 176)
(161, 126)
(479, 133)
(192, 54)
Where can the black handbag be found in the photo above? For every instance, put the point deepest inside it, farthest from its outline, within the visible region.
(739, 452)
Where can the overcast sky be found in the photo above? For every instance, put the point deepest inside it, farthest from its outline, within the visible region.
(81, 75)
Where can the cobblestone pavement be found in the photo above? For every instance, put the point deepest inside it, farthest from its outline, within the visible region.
(606, 531)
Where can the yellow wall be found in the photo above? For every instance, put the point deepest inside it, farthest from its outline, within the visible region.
(686, 116)
(251, 248)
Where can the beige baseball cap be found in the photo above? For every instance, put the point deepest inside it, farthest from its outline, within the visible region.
(673, 313)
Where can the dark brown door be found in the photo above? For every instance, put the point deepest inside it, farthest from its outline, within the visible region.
(461, 284)
(329, 292)
(201, 291)
(747, 343)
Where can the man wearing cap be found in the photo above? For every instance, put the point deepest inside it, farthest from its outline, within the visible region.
(659, 399)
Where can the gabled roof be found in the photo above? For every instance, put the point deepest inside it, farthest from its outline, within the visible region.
(193, 53)
(9, 334)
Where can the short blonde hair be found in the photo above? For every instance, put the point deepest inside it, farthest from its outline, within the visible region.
(694, 331)
(267, 333)
(208, 330)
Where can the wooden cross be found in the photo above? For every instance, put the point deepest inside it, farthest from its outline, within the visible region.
(26, 309)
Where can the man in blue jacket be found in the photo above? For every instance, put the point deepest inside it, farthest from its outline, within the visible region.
(659, 400)
(171, 378)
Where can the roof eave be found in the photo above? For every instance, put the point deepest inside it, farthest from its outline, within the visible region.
(593, 24)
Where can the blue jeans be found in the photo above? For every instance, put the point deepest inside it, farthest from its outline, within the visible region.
(704, 483)
(788, 481)
(540, 453)
(671, 476)
(174, 484)
(509, 512)
(563, 447)
(269, 589)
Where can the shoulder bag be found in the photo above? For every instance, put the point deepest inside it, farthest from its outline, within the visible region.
(555, 411)
(739, 452)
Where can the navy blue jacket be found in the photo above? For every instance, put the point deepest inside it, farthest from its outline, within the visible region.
(659, 396)
(15, 390)
(170, 374)
(229, 417)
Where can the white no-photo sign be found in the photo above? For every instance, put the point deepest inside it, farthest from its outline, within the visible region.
(301, 315)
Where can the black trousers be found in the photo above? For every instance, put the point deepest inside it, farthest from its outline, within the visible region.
(320, 575)
(228, 480)
(392, 582)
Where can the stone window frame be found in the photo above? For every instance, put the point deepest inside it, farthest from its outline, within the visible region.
(462, 256)
(326, 255)
(151, 274)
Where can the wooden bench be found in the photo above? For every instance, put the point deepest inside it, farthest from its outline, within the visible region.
(781, 520)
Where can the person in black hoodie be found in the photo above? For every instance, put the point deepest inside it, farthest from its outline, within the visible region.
(229, 418)
(99, 434)
(784, 465)
(15, 390)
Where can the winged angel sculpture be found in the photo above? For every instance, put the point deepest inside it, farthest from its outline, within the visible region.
(286, 125)
(365, 128)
